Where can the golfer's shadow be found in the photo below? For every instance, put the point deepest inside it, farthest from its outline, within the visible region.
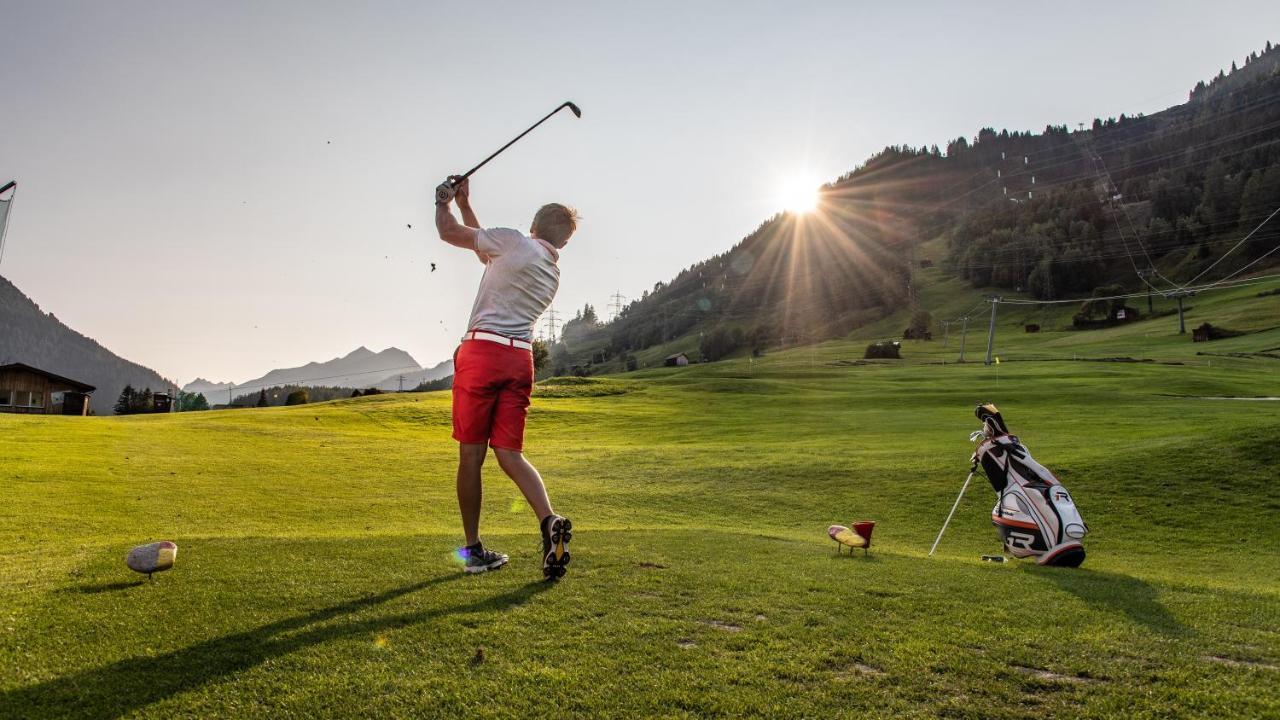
(1136, 598)
(126, 686)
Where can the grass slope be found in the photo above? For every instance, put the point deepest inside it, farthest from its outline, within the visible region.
(315, 576)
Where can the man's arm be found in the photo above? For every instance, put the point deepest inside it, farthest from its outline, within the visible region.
(463, 197)
(455, 233)
(452, 231)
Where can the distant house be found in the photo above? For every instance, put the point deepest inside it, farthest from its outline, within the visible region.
(161, 402)
(29, 390)
(1207, 332)
(677, 360)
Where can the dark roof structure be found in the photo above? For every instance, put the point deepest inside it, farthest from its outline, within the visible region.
(81, 387)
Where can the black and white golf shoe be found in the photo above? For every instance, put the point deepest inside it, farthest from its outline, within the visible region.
(479, 560)
(556, 533)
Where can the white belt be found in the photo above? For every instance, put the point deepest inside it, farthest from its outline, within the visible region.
(500, 339)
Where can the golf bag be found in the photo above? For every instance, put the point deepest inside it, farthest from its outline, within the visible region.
(1034, 513)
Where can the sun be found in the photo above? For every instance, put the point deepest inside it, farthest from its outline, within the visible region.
(798, 194)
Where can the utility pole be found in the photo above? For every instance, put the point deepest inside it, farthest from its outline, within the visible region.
(1146, 276)
(401, 383)
(991, 330)
(615, 307)
(551, 323)
(946, 331)
(1182, 321)
(964, 333)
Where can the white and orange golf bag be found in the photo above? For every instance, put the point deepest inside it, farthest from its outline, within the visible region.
(1034, 513)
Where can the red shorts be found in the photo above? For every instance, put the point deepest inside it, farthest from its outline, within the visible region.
(491, 387)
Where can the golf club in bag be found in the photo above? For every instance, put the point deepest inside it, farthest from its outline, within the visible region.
(446, 189)
(1034, 513)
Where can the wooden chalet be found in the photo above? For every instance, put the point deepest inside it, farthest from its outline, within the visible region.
(30, 390)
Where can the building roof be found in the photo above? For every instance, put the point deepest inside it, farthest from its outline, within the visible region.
(679, 354)
(82, 387)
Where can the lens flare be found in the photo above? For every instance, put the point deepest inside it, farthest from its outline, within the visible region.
(798, 194)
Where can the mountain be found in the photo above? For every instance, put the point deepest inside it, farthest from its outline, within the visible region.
(414, 379)
(1056, 214)
(29, 335)
(207, 387)
(360, 368)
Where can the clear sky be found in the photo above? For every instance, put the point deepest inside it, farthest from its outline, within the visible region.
(221, 188)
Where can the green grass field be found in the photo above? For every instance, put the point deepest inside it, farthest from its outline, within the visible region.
(315, 576)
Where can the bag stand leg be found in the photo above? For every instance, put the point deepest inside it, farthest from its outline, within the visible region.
(953, 511)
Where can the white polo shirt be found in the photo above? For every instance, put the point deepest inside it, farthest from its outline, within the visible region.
(520, 281)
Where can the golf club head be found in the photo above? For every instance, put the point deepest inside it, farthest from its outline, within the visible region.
(577, 112)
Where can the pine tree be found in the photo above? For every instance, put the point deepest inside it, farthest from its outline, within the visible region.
(124, 405)
(262, 397)
(143, 401)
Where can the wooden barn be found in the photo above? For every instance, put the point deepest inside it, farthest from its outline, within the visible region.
(677, 360)
(25, 389)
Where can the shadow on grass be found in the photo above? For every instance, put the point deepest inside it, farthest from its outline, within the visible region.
(1113, 591)
(126, 686)
(103, 587)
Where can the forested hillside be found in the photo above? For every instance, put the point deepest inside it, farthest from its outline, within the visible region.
(1056, 214)
(39, 339)
(1063, 212)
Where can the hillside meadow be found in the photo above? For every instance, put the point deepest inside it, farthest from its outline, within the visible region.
(315, 576)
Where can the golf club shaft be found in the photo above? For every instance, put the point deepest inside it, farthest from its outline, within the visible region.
(953, 512)
(467, 174)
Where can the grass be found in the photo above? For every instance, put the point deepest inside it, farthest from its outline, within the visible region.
(315, 576)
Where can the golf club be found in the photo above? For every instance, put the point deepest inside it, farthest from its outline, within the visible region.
(953, 511)
(444, 192)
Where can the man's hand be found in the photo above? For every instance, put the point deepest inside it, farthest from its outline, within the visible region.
(451, 231)
(444, 193)
(461, 190)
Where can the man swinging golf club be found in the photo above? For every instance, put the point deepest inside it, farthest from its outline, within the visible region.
(493, 366)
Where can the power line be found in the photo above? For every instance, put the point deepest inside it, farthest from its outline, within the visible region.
(1246, 267)
(1233, 247)
(1220, 285)
(1112, 191)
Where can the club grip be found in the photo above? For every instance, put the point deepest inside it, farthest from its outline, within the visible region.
(444, 192)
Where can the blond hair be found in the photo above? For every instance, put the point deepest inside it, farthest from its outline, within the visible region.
(555, 223)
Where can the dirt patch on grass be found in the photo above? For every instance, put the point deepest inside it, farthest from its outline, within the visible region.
(686, 644)
(858, 669)
(721, 625)
(1237, 662)
(574, 387)
(652, 565)
(1041, 674)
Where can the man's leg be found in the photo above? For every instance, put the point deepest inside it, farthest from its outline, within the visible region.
(526, 478)
(556, 531)
(470, 460)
